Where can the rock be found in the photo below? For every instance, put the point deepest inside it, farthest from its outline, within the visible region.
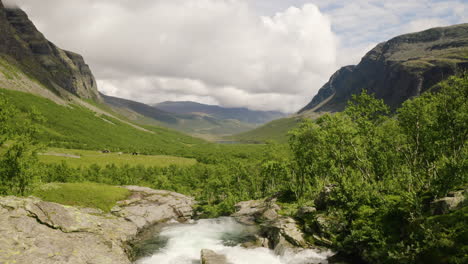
(258, 242)
(278, 233)
(445, 205)
(35, 231)
(283, 232)
(211, 257)
(323, 199)
(146, 206)
(256, 211)
(306, 211)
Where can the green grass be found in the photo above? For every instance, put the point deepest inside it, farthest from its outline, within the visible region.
(89, 195)
(76, 127)
(87, 157)
(276, 130)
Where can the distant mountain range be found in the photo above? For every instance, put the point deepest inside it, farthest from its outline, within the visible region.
(241, 114)
(398, 69)
(198, 124)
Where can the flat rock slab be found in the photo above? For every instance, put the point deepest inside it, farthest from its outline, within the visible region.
(211, 257)
(39, 232)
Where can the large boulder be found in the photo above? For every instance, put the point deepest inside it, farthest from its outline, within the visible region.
(323, 199)
(211, 257)
(453, 201)
(277, 232)
(283, 233)
(35, 231)
(146, 206)
(256, 211)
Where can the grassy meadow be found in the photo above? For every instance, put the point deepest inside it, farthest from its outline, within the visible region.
(88, 195)
(77, 158)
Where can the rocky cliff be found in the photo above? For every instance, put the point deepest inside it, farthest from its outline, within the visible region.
(23, 46)
(398, 69)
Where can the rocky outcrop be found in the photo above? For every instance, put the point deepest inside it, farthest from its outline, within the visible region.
(398, 69)
(453, 201)
(256, 211)
(211, 257)
(277, 232)
(283, 234)
(146, 206)
(34, 231)
(25, 47)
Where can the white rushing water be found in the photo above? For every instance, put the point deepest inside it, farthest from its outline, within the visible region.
(185, 241)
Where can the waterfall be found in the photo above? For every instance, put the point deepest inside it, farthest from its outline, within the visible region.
(183, 243)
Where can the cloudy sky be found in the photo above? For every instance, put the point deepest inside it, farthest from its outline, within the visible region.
(261, 54)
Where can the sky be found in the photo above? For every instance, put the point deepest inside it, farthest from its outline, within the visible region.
(259, 54)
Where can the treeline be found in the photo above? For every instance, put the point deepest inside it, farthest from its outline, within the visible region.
(382, 171)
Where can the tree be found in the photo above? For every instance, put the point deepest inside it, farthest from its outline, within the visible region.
(19, 168)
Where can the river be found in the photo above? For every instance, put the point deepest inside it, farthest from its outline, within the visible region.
(182, 243)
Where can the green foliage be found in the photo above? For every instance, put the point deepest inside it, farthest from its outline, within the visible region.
(385, 170)
(18, 163)
(276, 130)
(89, 195)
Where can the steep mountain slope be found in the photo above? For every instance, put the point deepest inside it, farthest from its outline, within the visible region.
(24, 47)
(241, 114)
(195, 124)
(398, 69)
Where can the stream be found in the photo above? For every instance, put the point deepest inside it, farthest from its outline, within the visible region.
(181, 244)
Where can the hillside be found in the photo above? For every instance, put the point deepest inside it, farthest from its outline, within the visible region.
(276, 130)
(204, 126)
(396, 70)
(242, 114)
(81, 128)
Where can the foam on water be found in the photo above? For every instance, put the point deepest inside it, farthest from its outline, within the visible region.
(185, 241)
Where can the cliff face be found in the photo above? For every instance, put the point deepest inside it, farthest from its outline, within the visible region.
(398, 69)
(23, 45)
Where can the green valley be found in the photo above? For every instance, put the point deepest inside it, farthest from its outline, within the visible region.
(373, 170)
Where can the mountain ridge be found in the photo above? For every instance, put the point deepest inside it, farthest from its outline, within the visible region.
(238, 113)
(398, 69)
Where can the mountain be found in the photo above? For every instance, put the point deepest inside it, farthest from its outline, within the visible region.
(242, 114)
(398, 69)
(205, 126)
(23, 47)
(36, 75)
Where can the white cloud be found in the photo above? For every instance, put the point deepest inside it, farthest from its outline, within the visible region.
(218, 50)
(361, 23)
(262, 54)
